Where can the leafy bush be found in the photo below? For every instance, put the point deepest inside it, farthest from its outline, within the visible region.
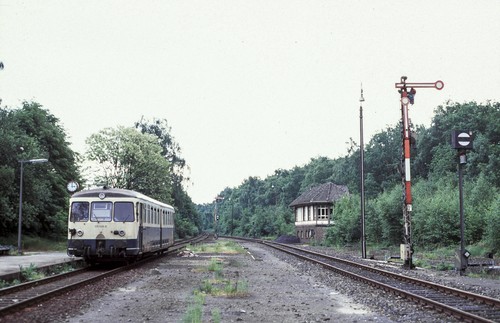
(435, 219)
(30, 273)
(492, 217)
(346, 222)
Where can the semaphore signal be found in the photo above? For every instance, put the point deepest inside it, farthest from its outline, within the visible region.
(407, 91)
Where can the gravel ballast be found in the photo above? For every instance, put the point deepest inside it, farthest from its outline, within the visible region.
(279, 288)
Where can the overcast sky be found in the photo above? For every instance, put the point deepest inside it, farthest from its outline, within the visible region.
(247, 86)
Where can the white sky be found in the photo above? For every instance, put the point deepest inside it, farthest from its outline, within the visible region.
(247, 86)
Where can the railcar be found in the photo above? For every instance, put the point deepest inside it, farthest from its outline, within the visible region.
(109, 224)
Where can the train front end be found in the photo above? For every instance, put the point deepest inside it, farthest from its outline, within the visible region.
(103, 226)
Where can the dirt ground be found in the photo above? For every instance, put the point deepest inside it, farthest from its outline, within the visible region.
(276, 291)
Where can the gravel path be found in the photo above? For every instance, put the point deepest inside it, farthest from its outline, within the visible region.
(280, 288)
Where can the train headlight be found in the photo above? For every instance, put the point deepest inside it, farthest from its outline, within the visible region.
(121, 233)
(79, 232)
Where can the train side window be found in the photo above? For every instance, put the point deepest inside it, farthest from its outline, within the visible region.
(101, 211)
(79, 212)
(124, 212)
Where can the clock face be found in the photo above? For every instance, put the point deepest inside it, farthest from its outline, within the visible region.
(72, 186)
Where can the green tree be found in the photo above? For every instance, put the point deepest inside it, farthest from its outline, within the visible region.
(26, 133)
(433, 145)
(316, 172)
(131, 160)
(171, 150)
(383, 155)
(186, 211)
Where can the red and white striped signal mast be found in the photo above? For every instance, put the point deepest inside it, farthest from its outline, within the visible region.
(407, 91)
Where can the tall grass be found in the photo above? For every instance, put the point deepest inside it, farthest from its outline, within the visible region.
(194, 312)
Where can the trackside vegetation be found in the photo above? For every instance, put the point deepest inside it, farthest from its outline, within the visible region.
(145, 157)
(259, 207)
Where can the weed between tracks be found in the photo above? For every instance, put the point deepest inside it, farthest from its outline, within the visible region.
(222, 247)
(219, 285)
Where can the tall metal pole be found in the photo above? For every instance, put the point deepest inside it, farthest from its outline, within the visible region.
(462, 161)
(20, 220)
(232, 215)
(362, 162)
(215, 219)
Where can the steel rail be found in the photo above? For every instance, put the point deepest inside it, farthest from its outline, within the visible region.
(29, 299)
(45, 280)
(10, 294)
(438, 287)
(467, 316)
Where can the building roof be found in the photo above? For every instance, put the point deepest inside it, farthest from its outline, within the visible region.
(324, 193)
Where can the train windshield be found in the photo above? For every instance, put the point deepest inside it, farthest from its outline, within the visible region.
(124, 212)
(79, 212)
(101, 211)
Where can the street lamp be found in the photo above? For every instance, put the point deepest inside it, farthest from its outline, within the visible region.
(232, 215)
(362, 163)
(29, 161)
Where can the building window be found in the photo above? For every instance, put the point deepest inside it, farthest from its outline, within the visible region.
(323, 212)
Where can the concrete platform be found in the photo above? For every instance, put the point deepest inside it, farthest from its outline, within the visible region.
(10, 265)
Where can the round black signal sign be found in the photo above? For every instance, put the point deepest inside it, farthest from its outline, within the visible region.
(461, 139)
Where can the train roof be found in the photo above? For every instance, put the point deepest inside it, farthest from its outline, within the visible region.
(117, 192)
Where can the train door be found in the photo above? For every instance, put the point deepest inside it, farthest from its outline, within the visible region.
(162, 224)
(141, 226)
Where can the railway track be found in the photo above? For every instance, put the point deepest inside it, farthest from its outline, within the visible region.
(15, 298)
(463, 305)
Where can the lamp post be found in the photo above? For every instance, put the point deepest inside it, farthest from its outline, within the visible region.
(362, 162)
(232, 215)
(29, 161)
